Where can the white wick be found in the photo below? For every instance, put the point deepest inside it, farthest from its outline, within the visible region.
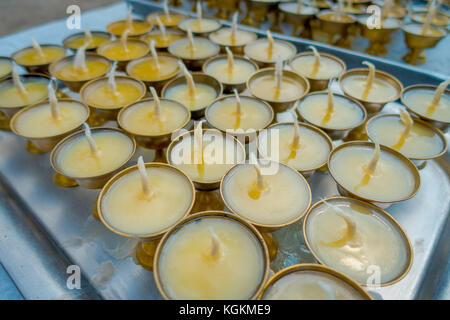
(351, 226)
(88, 35)
(429, 17)
(238, 102)
(299, 5)
(161, 27)
(17, 82)
(37, 47)
(215, 243)
(230, 60)
(199, 12)
(330, 96)
(154, 54)
(112, 86)
(189, 79)
(278, 73)
(53, 100)
(386, 7)
(439, 92)
(296, 139)
(373, 163)
(166, 8)
(157, 109)
(79, 62)
(198, 140)
(407, 120)
(270, 44)
(92, 144)
(370, 78)
(316, 57)
(340, 5)
(191, 39)
(128, 19)
(234, 26)
(124, 39)
(259, 176)
(144, 176)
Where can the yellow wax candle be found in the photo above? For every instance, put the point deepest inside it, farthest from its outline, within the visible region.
(283, 197)
(352, 238)
(35, 91)
(311, 285)
(391, 180)
(224, 37)
(327, 69)
(239, 73)
(31, 57)
(345, 113)
(253, 114)
(95, 67)
(211, 258)
(219, 153)
(199, 26)
(170, 20)
(277, 144)
(438, 19)
(115, 50)
(337, 17)
(140, 118)
(79, 39)
(5, 67)
(204, 95)
(75, 159)
(416, 28)
(265, 87)
(380, 91)
(38, 121)
(163, 40)
(136, 28)
(420, 140)
(146, 68)
(202, 48)
(259, 50)
(420, 100)
(126, 208)
(100, 95)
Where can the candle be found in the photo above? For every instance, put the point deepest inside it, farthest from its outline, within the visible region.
(298, 145)
(266, 51)
(270, 200)
(85, 154)
(5, 67)
(352, 236)
(199, 25)
(211, 256)
(312, 282)
(94, 38)
(417, 29)
(135, 27)
(412, 138)
(205, 156)
(194, 48)
(337, 17)
(163, 39)
(166, 17)
(38, 55)
(146, 199)
(123, 50)
(151, 69)
(373, 173)
(233, 113)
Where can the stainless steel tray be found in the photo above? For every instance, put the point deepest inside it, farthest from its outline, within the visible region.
(44, 228)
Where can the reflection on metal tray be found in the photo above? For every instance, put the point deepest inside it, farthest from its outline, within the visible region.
(44, 228)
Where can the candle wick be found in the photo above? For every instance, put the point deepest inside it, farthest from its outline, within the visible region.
(370, 78)
(407, 120)
(124, 39)
(230, 60)
(37, 47)
(198, 148)
(129, 20)
(144, 177)
(316, 65)
(257, 167)
(429, 17)
(88, 35)
(17, 82)
(80, 58)
(270, 44)
(166, 8)
(154, 54)
(199, 13)
(189, 80)
(234, 27)
(191, 41)
(53, 101)
(278, 76)
(296, 139)
(162, 28)
(299, 6)
(112, 79)
(238, 103)
(330, 107)
(437, 97)
(90, 139)
(215, 243)
(157, 109)
(350, 226)
(373, 162)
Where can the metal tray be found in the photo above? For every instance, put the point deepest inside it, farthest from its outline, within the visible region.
(44, 228)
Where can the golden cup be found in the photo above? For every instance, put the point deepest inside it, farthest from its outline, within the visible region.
(157, 33)
(175, 18)
(336, 23)
(35, 68)
(270, 63)
(122, 63)
(110, 28)
(441, 19)
(300, 21)
(194, 63)
(93, 47)
(237, 49)
(378, 37)
(262, 9)
(201, 34)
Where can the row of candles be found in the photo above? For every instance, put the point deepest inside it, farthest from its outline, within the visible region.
(214, 254)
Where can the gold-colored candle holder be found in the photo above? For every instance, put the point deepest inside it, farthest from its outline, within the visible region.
(123, 58)
(347, 288)
(255, 49)
(394, 264)
(200, 28)
(223, 38)
(299, 18)
(29, 59)
(331, 67)
(6, 64)
(163, 41)
(76, 40)
(298, 82)
(379, 37)
(262, 9)
(146, 247)
(396, 10)
(410, 104)
(441, 19)
(170, 21)
(418, 42)
(65, 71)
(139, 27)
(247, 232)
(103, 104)
(97, 181)
(336, 23)
(193, 61)
(199, 79)
(41, 143)
(355, 113)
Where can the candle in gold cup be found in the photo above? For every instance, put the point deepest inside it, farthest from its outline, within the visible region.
(91, 157)
(373, 173)
(211, 255)
(44, 124)
(135, 27)
(169, 19)
(312, 282)
(299, 145)
(352, 236)
(336, 23)
(163, 38)
(265, 52)
(431, 103)
(199, 26)
(94, 38)
(232, 72)
(6, 66)
(143, 202)
(38, 57)
(317, 68)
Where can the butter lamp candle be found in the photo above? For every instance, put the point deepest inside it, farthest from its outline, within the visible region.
(94, 38)
(312, 282)
(163, 38)
(144, 201)
(336, 23)
(199, 26)
(168, 19)
(351, 236)
(135, 27)
(211, 255)
(299, 16)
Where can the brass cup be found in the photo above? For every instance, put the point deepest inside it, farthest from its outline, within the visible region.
(151, 18)
(418, 161)
(7, 60)
(235, 48)
(7, 113)
(418, 43)
(99, 114)
(318, 84)
(203, 34)
(198, 78)
(266, 229)
(262, 10)
(36, 68)
(157, 84)
(347, 193)
(300, 20)
(146, 248)
(134, 35)
(377, 37)
(280, 105)
(229, 86)
(269, 63)
(75, 85)
(307, 173)
(371, 106)
(122, 63)
(194, 63)
(162, 48)
(333, 28)
(92, 48)
(442, 125)
(334, 134)
(94, 182)
(368, 206)
(318, 268)
(206, 215)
